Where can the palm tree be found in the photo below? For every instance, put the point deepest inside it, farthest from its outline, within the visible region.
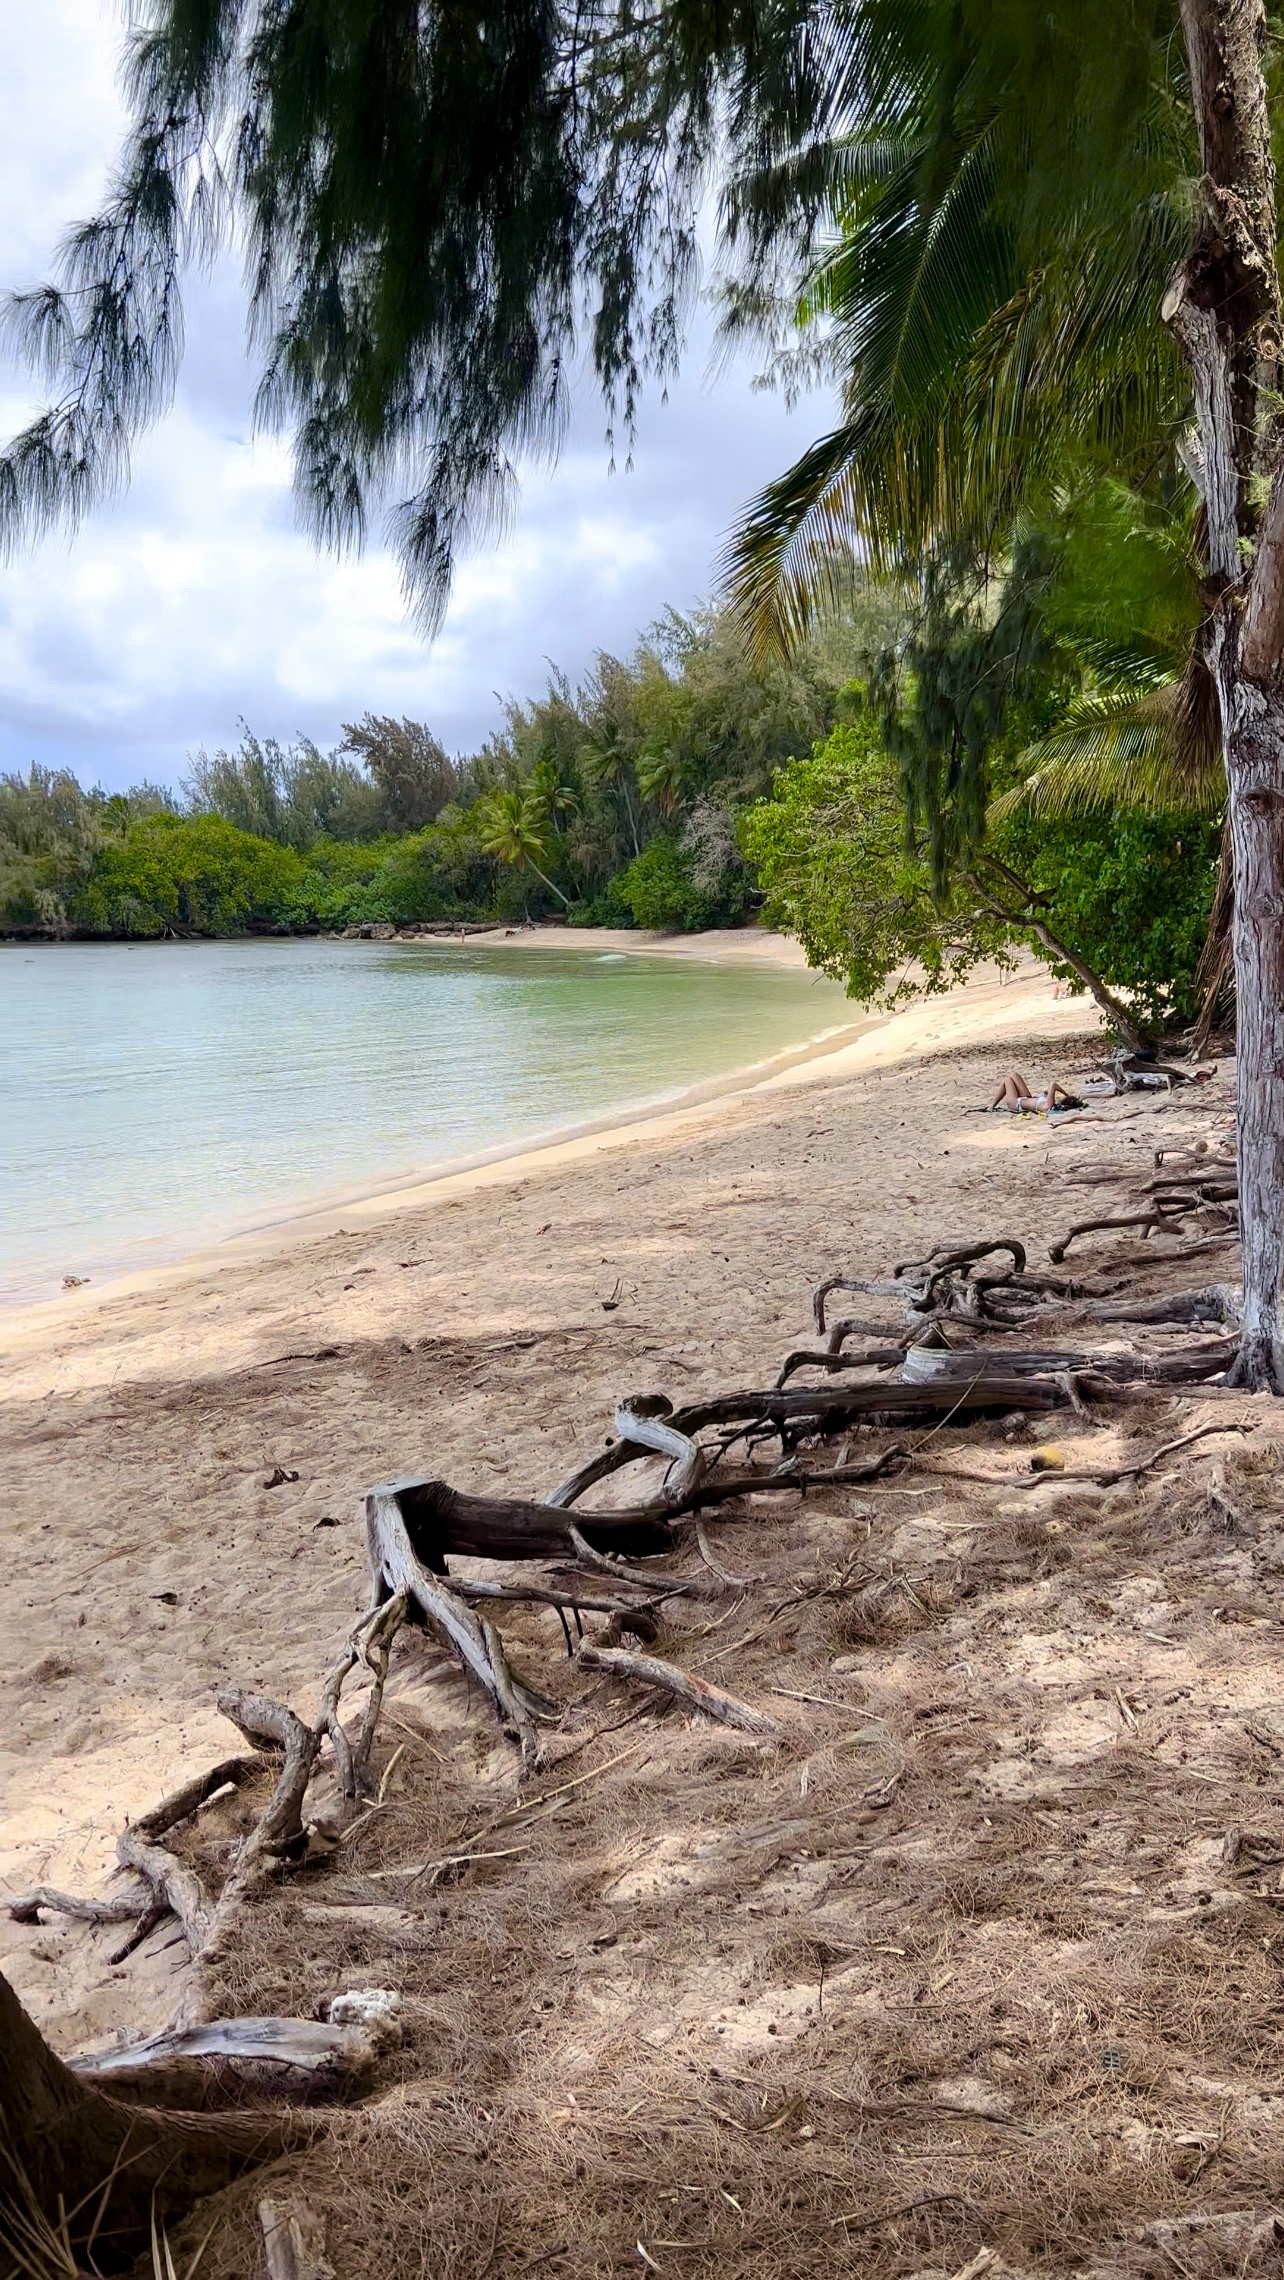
(953, 418)
(512, 827)
(659, 775)
(976, 351)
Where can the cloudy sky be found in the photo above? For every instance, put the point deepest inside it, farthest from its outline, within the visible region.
(194, 601)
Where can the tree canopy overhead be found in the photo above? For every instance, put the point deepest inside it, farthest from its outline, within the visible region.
(1005, 201)
(433, 205)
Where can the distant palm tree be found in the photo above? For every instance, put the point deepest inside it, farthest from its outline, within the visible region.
(513, 826)
(659, 775)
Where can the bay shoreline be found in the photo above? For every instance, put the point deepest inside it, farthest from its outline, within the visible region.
(989, 1001)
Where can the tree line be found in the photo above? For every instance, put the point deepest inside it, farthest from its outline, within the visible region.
(1035, 247)
(686, 787)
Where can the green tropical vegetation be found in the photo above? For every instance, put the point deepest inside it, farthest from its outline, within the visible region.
(1000, 230)
(615, 802)
(682, 788)
(964, 218)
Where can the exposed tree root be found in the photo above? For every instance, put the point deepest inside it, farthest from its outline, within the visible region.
(85, 2171)
(395, 1566)
(61, 2125)
(648, 1670)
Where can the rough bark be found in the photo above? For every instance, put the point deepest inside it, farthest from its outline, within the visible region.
(397, 1564)
(231, 2062)
(66, 2146)
(1215, 974)
(1223, 308)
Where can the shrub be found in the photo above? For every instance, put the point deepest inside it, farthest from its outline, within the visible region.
(660, 892)
(174, 874)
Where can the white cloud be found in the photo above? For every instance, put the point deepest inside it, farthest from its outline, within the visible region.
(195, 600)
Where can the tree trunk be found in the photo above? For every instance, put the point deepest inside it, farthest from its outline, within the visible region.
(1116, 1013)
(1223, 308)
(65, 2146)
(1215, 974)
(1255, 769)
(564, 900)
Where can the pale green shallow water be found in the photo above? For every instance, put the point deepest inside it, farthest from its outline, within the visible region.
(161, 1095)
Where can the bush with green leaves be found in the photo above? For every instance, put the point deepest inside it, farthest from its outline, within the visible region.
(828, 845)
(1128, 894)
(172, 874)
(1131, 893)
(659, 891)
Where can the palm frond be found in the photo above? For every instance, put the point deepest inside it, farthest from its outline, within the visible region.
(1159, 750)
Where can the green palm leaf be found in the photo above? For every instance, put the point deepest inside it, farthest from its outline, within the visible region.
(1160, 750)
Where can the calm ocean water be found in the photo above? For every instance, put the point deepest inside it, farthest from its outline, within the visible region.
(160, 1095)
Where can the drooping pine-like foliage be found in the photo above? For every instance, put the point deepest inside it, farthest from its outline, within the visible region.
(435, 200)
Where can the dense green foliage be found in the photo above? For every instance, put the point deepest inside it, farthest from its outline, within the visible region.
(829, 850)
(1006, 198)
(677, 790)
(1130, 894)
(627, 787)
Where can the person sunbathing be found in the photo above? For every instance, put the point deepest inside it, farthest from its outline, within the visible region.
(1015, 1096)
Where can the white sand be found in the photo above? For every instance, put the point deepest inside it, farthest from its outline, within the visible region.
(147, 1562)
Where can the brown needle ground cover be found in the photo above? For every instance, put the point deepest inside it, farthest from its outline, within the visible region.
(980, 1949)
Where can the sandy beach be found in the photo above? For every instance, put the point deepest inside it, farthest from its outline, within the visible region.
(458, 1327)
(830, 1995)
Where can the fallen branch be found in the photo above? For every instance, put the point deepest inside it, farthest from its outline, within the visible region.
(25, 1907)
(648, 1670)
(1117, 1473)
(1215, 1303)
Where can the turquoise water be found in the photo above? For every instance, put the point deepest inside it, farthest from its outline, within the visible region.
(161, 1095)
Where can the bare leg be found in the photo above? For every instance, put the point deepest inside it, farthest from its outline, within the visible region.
(1011, 1093)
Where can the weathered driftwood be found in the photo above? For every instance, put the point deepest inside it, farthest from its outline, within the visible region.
(431, 1510)
(647, 1427)
(942, 1263)
(1216, 1302)
(222, 2061)
(171, 1885)
(26, 1907)
(438, 1520)
(395, 1566)
(831, 1357)
(633, 1616)
(1188, 1367)
(648, 1670)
